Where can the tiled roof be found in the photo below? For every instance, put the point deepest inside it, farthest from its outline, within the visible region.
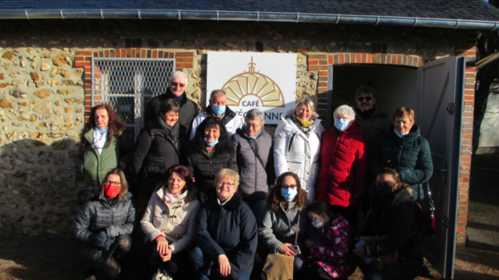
(445, 9)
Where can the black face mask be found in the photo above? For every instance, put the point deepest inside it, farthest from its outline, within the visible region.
(383, 190)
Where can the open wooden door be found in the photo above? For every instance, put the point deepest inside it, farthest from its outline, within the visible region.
(439, 112)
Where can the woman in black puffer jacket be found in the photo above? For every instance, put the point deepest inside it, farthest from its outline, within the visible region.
(210, 151)
(390, 227)
(104, 225)
(160, 145)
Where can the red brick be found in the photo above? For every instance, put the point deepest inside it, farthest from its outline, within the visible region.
(170, 55)
(80, 58)
(179, 59)
(143, 54)
(342, 59)
(323, 73)
(123, 52)
(322, 62)
(82, 63)
(96, 54)
(184, 65)
(313, 62)
(316, 68)
(468, 97)
(323, 85)
(317, 56)
(369, 58)
(470, 70)
(330, 59)
(84, 53)
(462, 219)
(184, 54)
(470, 75)
(463, 202)
(155, 54)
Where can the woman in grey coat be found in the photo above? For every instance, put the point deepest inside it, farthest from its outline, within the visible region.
(284, 214)
(104, 225)
(255, 161)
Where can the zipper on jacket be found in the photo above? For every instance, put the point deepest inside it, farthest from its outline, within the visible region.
(291, 141)
(400, 153)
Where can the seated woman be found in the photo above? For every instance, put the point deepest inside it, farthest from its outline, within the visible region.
(168, 222)
(392, 219)
(160, 145)
(104, 225)
(285, 209)
(331, 258)
(226, 233)
(210, 151)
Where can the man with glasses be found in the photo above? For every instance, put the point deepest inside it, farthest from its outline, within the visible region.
(218, 108)
(373, 124)
(176, 90)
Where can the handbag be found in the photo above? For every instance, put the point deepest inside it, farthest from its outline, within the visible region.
(279, 266)
(425, 219)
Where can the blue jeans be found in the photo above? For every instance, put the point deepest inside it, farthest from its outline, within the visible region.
(202, 264)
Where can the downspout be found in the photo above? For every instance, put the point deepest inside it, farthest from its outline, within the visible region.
(248, 16)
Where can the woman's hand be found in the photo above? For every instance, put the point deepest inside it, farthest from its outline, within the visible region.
(224, 264)
(162, 246)
(284, 249)
(360, 252)
(168, 255)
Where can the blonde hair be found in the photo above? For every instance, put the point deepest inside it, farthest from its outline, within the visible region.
(123, 182)
(307, 101)
(230, 174)
(404, 112)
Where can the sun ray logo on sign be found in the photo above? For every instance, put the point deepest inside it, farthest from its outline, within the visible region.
(264, 88)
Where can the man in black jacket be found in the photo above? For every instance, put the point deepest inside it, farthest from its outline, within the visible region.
(176, 90)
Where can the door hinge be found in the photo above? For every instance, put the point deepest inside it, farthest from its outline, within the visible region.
(451, 108)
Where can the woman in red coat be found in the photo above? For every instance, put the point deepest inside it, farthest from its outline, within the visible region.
(343, 174)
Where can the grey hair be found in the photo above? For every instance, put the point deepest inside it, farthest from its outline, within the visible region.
(365, 90)
(176, 75)
(307, 101)
(215, 92)
(345, 110)
(254, 114)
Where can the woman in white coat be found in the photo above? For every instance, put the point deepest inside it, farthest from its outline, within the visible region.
(297, 145)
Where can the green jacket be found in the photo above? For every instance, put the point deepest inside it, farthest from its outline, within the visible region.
(94, 166)
(409, 155)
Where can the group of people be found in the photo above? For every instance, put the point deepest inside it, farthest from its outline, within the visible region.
(220, 194)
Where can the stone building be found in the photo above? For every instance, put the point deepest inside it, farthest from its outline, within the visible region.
(48, 48)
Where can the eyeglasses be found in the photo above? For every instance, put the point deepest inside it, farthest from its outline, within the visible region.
(221, 183)
(288, 186)
(367, 98)
(112, 183)
(178, 84)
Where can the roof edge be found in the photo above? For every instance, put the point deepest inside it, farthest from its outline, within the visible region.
(255, 16)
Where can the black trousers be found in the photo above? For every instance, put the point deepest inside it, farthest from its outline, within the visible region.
(180, 260)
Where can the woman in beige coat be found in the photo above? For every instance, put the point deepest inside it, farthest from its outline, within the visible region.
(168, 223)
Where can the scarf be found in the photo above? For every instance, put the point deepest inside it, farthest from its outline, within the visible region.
(173, 132)
(170, 198)
(304, 126)
(100, 137)
(178, 98)
(223, 203)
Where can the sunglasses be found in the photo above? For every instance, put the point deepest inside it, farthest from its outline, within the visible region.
(367, 98)
(178, 84)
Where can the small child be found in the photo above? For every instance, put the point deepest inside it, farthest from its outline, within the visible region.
(330, 260)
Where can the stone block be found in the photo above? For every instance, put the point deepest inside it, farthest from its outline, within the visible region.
(44, 107)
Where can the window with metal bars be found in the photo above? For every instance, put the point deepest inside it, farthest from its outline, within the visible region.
(127, 84)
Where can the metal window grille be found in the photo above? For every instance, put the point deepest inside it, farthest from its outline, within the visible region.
(127, 84)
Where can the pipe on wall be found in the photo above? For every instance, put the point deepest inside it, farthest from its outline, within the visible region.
(248, 16)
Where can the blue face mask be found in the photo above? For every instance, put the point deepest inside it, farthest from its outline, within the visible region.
(399, 134)
(219, 110)
(341, 124)
(103, 130)
(211, 144)
(289, 194)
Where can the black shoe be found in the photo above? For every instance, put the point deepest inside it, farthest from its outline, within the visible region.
(170, 267)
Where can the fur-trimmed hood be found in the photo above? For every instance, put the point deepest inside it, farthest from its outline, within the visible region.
(402, 195)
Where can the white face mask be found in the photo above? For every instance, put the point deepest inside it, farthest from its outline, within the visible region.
(317, 224)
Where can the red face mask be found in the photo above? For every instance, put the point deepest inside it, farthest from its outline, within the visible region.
(111, 190)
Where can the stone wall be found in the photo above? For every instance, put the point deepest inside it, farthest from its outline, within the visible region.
(45, 87)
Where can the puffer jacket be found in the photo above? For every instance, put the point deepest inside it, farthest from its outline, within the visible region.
(188, 109)
(394, 218)
(155, 150)
(409, 155)
(95, 166)
(97, 215)
(255, 177)
(231, 121)
(372, 128)
(280, 227)
(229, 229)
(204, 168)
(175, 221)
(344, 167)
(294, 152)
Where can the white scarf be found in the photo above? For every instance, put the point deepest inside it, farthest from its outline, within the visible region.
(99, 140)
(170, 198)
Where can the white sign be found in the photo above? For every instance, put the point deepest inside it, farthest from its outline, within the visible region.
(266, 81)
